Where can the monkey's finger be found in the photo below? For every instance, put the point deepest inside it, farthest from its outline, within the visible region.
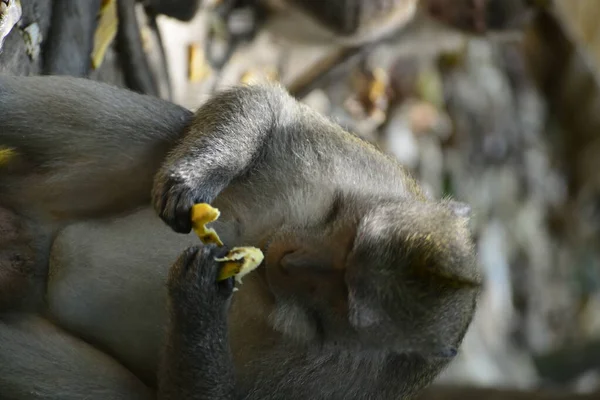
(177, 211)
(166, 197)
(161, 201)
(182, 265)
(183, 213)
(226, 286)
(207, 266)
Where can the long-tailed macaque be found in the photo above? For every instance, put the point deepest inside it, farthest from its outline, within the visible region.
(366, 290)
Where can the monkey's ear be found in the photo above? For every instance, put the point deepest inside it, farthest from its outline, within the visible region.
(460, 209)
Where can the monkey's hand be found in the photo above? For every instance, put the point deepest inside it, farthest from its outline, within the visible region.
(197, 361)
(173, 199)
(194, 288)
(227, 139)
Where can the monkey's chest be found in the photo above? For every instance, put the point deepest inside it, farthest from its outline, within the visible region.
(107, 285)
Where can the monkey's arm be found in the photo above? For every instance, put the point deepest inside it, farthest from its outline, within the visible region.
(223, 142)
(81, 148)
(197, 362)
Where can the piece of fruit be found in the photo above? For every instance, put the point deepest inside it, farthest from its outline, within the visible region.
(239, 262)
(203, 214)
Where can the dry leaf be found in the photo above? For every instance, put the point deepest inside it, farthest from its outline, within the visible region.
(106, 31)
(197, 65)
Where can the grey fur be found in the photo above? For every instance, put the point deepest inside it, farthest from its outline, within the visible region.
(368, 286)
(92, 145)
(408, 255)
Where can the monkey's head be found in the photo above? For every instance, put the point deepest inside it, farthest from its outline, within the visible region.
(399, 276)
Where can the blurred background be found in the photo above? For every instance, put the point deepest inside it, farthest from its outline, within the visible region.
(494, 102)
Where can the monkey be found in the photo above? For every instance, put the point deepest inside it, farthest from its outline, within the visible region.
(366, 291)
(67, 195)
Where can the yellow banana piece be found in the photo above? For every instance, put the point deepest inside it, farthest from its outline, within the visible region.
(240, 261)
(203, 214)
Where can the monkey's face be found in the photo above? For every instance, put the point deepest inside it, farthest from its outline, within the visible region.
(396, 277)
(305, 270)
